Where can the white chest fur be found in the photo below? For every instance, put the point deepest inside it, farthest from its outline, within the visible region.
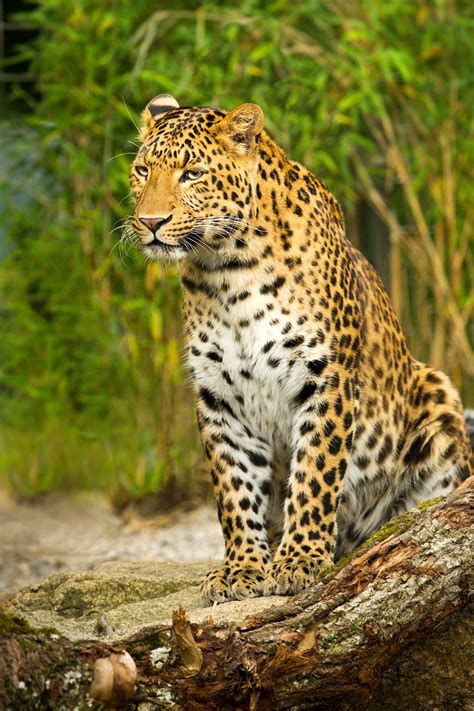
(245, 359)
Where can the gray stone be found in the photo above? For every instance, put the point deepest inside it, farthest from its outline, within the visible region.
(131, 595)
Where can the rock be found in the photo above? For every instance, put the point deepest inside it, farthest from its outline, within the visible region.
(129, 595)
(73, 532)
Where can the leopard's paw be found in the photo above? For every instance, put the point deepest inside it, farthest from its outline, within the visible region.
(214, 585)
(247, 582)
(289, 576)
(229, 583)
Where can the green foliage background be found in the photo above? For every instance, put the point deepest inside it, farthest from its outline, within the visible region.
(373, 96)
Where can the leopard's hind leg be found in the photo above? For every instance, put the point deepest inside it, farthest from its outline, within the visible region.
(433, 456)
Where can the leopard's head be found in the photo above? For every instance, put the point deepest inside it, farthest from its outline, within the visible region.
(193, 178)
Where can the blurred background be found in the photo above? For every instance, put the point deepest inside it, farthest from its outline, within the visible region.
(375, 97)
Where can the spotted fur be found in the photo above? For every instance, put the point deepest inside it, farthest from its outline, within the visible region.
(317, 422)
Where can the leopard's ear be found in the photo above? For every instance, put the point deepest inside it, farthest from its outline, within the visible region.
(242, 126)
(158, 105)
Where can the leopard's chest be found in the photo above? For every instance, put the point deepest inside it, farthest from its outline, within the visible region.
(247, 360)
(234, 366)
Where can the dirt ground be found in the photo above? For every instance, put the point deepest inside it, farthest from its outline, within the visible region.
(59, 533)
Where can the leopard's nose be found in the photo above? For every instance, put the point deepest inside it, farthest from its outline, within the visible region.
(154, 223)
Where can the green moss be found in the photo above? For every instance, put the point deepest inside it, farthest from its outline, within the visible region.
(430, 503)
(395, 526)
(12, 625)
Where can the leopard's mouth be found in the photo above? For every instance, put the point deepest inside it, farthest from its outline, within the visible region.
(155, 242)
(156, 248)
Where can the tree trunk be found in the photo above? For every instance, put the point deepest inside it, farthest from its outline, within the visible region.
(390, 628)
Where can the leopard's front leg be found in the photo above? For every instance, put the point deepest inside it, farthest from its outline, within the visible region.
(321, 442)
(241, 472)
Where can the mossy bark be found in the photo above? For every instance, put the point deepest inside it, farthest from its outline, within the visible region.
(39, 669)
(390, 629)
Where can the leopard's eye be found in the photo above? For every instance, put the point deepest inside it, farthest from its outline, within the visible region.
(191, 175)
(142, 170)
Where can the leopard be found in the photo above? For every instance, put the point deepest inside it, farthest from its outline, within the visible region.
(318, 424)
